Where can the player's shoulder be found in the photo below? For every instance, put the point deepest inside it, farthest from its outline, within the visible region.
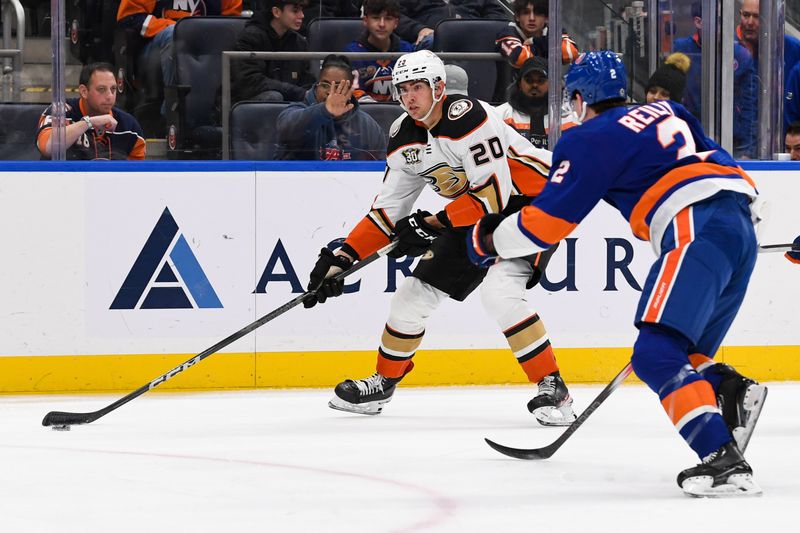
(405, 131)
(461, 115)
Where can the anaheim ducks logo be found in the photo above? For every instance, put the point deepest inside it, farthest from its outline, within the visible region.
(446, 181)
(458, 109)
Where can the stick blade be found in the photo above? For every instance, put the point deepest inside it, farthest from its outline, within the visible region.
(520, 453)
(61, 418)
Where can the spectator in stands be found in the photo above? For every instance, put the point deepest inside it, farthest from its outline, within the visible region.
(527, 108)
(95, 129)
(457, 80)
(273, 29)
(527, 35)
(374, 80)
(420, 17)
(793, 141)
(328, 124)
(745, 86)
(669, 80)
(155, 21)
(330, 8)
(747, 33)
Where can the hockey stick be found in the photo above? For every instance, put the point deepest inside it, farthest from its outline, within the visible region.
(63, 419)
(547, 451)
(769, 248)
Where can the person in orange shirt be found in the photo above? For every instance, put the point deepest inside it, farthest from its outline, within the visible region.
(95, 128)
(155, 21)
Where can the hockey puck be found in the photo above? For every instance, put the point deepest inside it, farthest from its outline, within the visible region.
(62, 427)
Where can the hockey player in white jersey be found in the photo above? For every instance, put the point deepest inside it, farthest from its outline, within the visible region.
(464, 151)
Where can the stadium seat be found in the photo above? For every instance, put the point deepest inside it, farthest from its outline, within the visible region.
(332, 35)
(472, 35)
(253, 131)
(383, 113)
(18, 126)
(91, 25)
(192, 131)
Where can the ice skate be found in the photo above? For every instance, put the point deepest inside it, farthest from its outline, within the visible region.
(364, 396)
(741, 400)
(724, 473)
(552, 406)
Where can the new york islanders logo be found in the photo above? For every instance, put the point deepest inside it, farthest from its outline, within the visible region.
(166, 275)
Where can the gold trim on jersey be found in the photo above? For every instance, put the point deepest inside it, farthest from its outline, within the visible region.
(446, 181)
(537, 165)
(379, 218)
(489, 195)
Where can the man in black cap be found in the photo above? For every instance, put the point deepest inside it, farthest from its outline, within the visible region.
(527, 107)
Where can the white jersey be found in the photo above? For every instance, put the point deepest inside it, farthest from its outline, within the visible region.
(470, 157)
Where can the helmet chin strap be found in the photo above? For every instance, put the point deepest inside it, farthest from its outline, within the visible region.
(433, 104)
(580, 118)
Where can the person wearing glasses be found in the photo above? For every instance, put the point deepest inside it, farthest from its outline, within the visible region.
(328, 124)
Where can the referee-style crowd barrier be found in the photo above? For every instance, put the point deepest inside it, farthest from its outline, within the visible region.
(114, 273)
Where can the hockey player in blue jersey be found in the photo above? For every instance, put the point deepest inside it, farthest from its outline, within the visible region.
(687, 196)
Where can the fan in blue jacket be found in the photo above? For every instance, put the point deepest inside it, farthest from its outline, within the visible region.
(328, 124)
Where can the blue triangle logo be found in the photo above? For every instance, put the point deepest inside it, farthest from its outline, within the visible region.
(166, 275)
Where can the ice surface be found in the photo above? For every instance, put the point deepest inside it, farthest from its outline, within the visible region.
(283, 461)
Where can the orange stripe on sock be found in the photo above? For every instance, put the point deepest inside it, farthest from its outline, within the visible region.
(391, 368)
(688, 398)
(540, 366)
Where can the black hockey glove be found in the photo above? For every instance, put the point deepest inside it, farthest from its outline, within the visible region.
(414, 235)
(321, 279)
(478, 250)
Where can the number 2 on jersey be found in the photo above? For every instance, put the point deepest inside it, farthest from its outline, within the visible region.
(668, 130)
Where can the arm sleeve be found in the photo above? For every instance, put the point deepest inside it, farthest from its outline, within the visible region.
(396, 199)
(138, 14)
(510, 46)
(576, 185)
(232, 8)
(408, 28)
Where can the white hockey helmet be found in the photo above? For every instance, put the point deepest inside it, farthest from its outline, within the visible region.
(420, 65)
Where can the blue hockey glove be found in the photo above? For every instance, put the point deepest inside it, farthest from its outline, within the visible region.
(478, 251)
(794, 256)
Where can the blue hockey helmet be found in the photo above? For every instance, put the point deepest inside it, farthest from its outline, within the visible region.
(598, 76)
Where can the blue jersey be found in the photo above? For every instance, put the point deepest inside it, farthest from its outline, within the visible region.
(648, 161)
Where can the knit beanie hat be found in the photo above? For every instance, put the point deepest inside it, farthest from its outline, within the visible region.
(671, 76)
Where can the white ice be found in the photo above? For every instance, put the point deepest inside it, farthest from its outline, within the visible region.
(282, 461)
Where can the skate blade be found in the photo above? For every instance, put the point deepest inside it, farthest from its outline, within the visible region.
(738, 486)
(753, 404)
(367, 408)
(555, 416)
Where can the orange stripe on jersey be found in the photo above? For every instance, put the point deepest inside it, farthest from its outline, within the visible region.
(366, 238)
(700, 361)
(684, 235)
(465, 210)
(527, 180)
(651, 197)
(138, 151)
(688, 398)
(546, 228)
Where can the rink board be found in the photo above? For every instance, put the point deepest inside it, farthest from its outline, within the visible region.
(112, 277)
